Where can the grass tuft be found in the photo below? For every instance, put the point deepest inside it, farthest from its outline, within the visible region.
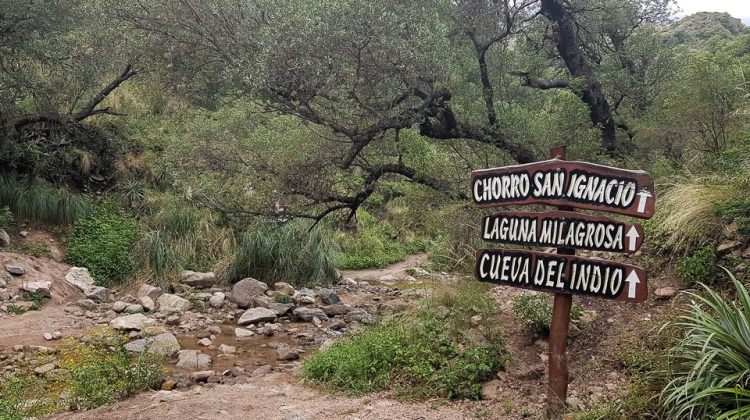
(39, 202)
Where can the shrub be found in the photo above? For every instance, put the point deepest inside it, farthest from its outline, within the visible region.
(737, 211)
(708, 367)
(6, 217)
(699, 266)
(535, 311)
(39, 202)
(437, 351)
(290, 252)
(102, 243)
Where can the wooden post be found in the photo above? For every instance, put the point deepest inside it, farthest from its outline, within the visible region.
(557, 390)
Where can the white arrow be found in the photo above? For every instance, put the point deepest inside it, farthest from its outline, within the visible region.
(633, 281)
(632, 238)
(644, 195)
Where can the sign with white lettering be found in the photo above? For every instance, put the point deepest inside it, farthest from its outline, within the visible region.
(562, 274)
(561, 229)
(566, 183)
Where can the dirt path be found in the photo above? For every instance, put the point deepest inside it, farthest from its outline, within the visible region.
(270, 397)
(393, 269)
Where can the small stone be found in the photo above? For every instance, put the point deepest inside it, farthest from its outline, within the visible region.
(328, 297)
(270, 329)
(192, 360)
(492, 390)
(333, 310)
(4, 295)
(45, 368)
(337, 324)
(137, 346)
(4, 238)
(476, 320)
(205, 342)
(164, 344)
(132, 322)
(261, 301)
(15, 269)
(47, 336)
(728, 246)
(195, 279)
(168, 385)
(42, 287)
(280, 309)
(263, 370)
(147, 303)
(307, 314)
(201, 376)
(286, 353)
(284, 288)
(214, 329)
(243, 332)
(255, 315)
(172, 303)
(24, 233)
(304, 300)
(227, 349)
(347, 282)
(173, 320)
(360, 316)
(87, 304)
(56, 335)
(134, 309)
(217, 300)
(148, 290)
(245, 291)
(665, 293)
(101, 294)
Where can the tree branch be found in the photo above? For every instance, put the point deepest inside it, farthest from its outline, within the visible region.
(90, 108)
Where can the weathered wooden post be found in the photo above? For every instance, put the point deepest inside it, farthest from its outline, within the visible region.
(566, 185)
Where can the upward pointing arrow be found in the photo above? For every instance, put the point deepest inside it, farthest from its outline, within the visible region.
(633, 281)
(632, 238)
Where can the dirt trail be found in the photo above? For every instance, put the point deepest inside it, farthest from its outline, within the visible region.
(393, 269)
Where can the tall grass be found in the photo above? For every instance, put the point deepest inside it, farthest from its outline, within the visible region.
(39, 202)
(290, 252)
(709, 369)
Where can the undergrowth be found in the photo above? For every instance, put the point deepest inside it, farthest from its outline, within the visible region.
(535, 311)
(446, 347)
(39, 202)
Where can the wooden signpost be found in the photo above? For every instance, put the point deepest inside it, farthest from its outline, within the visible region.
(568, 185)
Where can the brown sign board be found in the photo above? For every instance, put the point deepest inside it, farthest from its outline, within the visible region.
(566, 183)
(562, 229)
(562, 274)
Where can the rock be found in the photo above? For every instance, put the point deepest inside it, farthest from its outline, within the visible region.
(261, 302)
(270, 329)
(337, 324)
(201, 376)
(245, 291)
(148, 290)
(45, 368)
(665, 293)
(80, 278)
(725, 247)
(243, 332)
(333, 310)
(24, 233)
(3, 282)
(304, 300)
(172, 303)
(227, 349)
(361, 316)
(137, 346)
(286, 353)
(47, 336)
(217, 300)
(42, 287)
(284, 288)
(347, 282)
(164, 344)
(263, 370)
(15, 269)
(205, 342)
(119, 306)
(4, 238)
(168, 385)
(98, 293)
(193, 360)
(4, 295)
(307, 314)
(195, 279)
(173, 320)
(147, 303)
(134, 309)
(329, 297)
(280, 309)
(214, 329)
(87, 304)
(255, 315)
(492, 390)
(132, 322)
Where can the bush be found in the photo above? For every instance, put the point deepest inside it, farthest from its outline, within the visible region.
(737, 211)
(38, 202)
(708, 367)
(291, 252)
(535, 311)
(102, 243)
(6, 217)
(437, 351)
(699, 266)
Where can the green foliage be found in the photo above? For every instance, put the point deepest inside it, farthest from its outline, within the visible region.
(102, 243)
(535, 311)
(19, 398)
(737, 211)
(36, 249)
(6, 217)
(290, 252)
(282, 299)
(700, 266)
(708, 367)
(37, 299)
(40, 203)
(375, 245)
(436, 351)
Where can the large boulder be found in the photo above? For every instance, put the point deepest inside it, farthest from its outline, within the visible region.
(195, 279)
(256, 315)
(164, 344)
(217, 300)
(307, 314)
(148, 290)
(172, 303)
(80, 278)
(134, 322)
(246, 290)
(285, 288)
(193, 360)
(280, 309)
(42, 287)
(328, 297)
